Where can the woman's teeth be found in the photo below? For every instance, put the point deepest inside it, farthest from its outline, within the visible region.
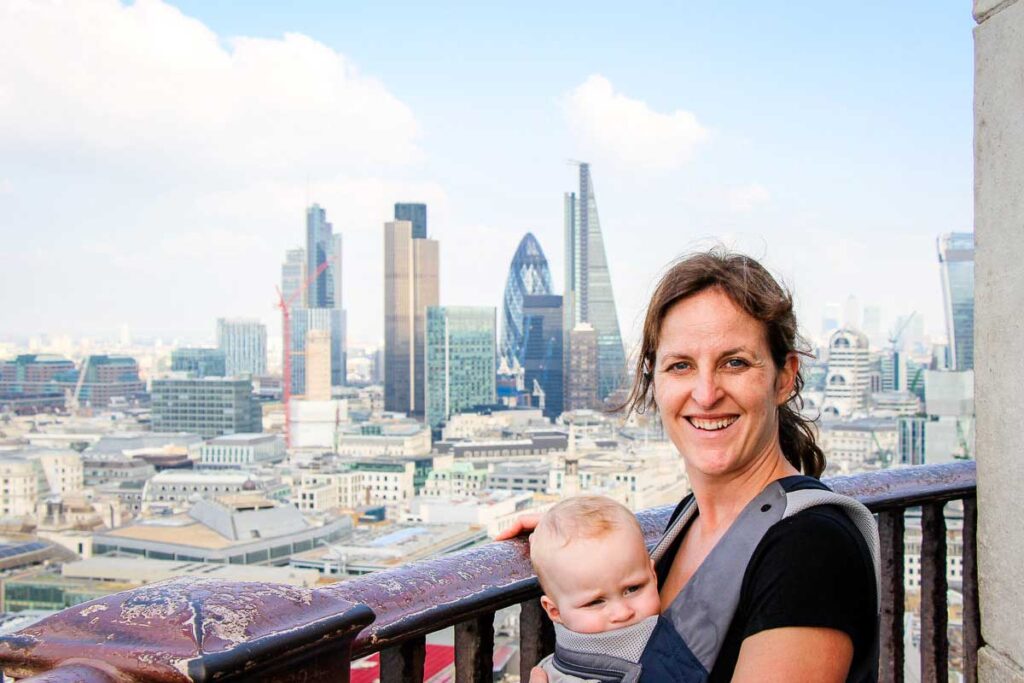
(712, 425)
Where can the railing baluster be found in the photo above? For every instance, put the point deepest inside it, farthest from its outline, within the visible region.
(972, 615)
(403, 663)
(934, 616)
(474, 650)
(890, 530)
(536, 636)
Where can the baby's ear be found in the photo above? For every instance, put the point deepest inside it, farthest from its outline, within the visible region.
(654, 569)
(551, 608)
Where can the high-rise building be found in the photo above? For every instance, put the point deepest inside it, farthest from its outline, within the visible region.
(581, 374)
(304, 321)
(588, 286)
(894, 370)
(293, 277)
(107, 379)
(244, 343)
(415, 214)
(956, 263)
(544, 358)
(325, 291)
(212, 406)
(847, 382)
(459, 360)
(199, 362)
(528, 274)
(318, 366)
(410, 286)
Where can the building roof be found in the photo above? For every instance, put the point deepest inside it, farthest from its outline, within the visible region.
(241, 439)
(142, 570)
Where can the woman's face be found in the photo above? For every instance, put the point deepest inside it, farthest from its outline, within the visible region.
(716, 386)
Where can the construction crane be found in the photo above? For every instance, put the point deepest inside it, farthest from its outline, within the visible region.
(286, 338)
(894, 337)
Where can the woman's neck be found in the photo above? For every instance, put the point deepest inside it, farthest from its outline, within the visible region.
(721, 498)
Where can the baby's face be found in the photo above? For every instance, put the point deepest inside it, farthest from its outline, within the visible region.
(602, 584)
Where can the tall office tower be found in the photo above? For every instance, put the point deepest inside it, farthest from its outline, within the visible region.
(544, 358)
(212, 406)
(415, 214)
(528, 274)
(956, 263)
(244, 343)
(581, 373)
(410, 286)
(199, 362)
(460, 360)
(894, 370)
(293, 276)
(588, 284)
(305, 321)
(318, 365)
(847, 382)
(323, 246)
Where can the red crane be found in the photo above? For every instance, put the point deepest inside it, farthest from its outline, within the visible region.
(286, 334)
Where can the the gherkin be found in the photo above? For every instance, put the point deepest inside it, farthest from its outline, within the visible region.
(528, 275)
(588, 284)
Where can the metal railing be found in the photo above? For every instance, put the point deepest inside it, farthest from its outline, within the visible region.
(204, 630)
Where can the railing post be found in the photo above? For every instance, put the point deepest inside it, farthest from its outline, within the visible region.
(403, 663)
(536, 636)
(474, 650)
(934, 616)
(972, 615)
(891, 532)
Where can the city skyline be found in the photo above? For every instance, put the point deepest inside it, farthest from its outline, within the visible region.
(850, 204)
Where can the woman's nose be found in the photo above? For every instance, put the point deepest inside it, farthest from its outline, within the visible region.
(705, 393)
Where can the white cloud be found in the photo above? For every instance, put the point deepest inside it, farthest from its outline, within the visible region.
(628, 131)
(6, 186)
(144, 85)
(748, 197)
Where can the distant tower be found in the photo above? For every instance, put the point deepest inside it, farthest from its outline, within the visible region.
(459, 360)
(956, 263)
(293, 275)
(543, 355)
(323, 246)
(415, 214)
(318, 366)
(410, 286)
(528, 274)
(588, 286)
(581, 373)
(847, 382)
(244, 343)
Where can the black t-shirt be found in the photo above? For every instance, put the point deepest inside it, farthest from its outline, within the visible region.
(811, 569)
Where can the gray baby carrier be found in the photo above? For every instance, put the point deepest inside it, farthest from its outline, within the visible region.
(682, 644)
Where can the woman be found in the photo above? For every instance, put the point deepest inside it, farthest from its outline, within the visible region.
(719, 360)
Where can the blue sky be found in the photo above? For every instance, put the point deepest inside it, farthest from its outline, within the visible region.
(831, 139)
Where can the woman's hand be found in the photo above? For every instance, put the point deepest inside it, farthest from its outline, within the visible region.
(523, 524)
(537, 675)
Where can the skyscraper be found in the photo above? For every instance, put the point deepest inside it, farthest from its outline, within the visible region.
(581, 371)
(305, 321)
(293, 276)
(325, 291)
(415, 214)
(956, 263)
(588, 286)
(847, 383)
(410, 286)
(318, 366)
(244, 343)
(528, 274)
(544, 360)
(459, 360)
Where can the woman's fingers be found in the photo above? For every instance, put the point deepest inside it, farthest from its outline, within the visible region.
(537, 675)
(523, 524)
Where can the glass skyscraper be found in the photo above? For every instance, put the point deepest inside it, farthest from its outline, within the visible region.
(324, 294)
(415, 214)
(588, 285)
(956, 262)
(529, 274)
(543, 357)
(244, 343)
(459, 359)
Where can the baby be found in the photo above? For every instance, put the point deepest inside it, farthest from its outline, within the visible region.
(589, 554)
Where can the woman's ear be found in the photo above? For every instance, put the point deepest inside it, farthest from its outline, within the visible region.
(785, 379)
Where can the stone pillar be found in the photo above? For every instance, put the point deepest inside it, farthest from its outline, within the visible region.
(999, 331)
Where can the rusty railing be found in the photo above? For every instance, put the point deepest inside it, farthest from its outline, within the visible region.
(204, 630)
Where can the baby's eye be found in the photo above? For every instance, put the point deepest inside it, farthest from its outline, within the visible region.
(633, 589)
(595, 602)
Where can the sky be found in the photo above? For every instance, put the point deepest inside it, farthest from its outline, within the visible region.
(156, 158)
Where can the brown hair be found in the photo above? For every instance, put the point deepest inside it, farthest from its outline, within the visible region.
(759, 295)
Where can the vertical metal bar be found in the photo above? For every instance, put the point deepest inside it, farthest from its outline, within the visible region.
(934, 617)
(403, 663)
(536, 636)
(972, 614)
(474, 650)
(893, 595)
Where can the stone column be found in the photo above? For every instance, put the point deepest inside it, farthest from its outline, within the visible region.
(999, 331)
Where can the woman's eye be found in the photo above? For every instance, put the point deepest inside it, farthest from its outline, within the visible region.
(736, 363)
(680, 366)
